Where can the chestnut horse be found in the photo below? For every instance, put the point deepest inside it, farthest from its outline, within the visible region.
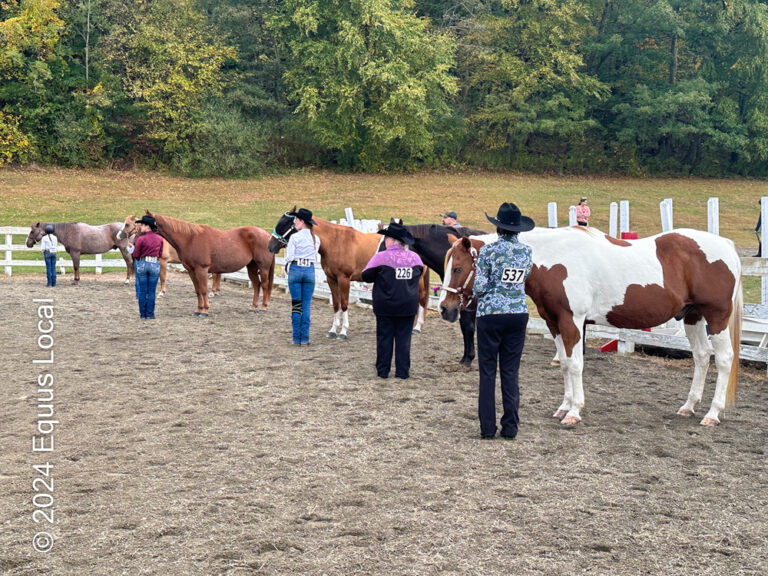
(203, 249)
(78, 238)
(580, 274)
(169, 256)
(344, 252)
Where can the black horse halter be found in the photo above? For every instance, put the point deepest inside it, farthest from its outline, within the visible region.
(127, 234)
(283, 238)
(466, 297)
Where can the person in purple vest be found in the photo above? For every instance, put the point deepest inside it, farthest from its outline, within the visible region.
(395, 274)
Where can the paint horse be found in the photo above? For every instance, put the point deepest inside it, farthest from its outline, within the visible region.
(203, 249)
(432, 244)
(344, 253)
(78, 239)
(580, 274)
(169, 256)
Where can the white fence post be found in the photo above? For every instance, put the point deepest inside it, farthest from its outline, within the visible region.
(764, 241)
(623, 216)
(665, 207)
(572, 216)
(9, 253)
(98, 263)
(552, 215)
(713, 216)
(613, 221)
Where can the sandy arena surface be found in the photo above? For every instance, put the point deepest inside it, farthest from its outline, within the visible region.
(189, 446)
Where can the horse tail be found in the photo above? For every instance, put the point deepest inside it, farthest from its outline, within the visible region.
(734, 325)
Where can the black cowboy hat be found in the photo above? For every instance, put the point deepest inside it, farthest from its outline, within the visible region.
(398, 232)
(509, 218)
(306, 216)
(148, 220)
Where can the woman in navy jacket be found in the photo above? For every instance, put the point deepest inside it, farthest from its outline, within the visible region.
(395, 274)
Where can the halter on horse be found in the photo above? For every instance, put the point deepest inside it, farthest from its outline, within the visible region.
(685, 273)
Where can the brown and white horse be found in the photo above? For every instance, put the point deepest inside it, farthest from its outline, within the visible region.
(344, 253)
(203, 249)
(78, 239)
(169, 256)
(580, 274)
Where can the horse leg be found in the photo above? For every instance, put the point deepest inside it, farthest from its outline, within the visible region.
(344, 283)
(267, 277)
(724, 356)
(215, 285)
(334, 286)
(697, 336)
(193, 276)
(253, 275)
(128, 265)
(163, 274)
(467, 321)
(202, 282)
(76, 265)
(572, 366)
(423, 300)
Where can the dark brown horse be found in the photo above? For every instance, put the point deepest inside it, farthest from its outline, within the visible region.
(169, 256)
(203, 249)
(78, 239)
(344, 252)
(685, 274)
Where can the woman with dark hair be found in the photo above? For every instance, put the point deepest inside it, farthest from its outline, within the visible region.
(583, 212)
(300, 258)
(146, 252)
(502, 317)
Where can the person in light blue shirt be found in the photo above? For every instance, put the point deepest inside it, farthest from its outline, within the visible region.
(502, 317)
(49, 246)
(301, 257)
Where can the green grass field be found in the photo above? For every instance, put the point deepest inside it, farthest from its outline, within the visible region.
(96, 197)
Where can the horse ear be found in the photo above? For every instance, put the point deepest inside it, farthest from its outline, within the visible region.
(147, 212)
(466, 243)
(293, 210)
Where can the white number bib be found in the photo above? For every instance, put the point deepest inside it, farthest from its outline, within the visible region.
(403, 273)
(513, 275)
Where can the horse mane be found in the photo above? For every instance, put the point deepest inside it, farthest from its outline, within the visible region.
(181, 226)
(419, 231)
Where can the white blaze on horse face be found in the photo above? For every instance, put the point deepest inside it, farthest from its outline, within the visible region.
(446, 280)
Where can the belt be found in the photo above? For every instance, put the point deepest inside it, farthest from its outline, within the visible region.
(149, 259)
(304, 262)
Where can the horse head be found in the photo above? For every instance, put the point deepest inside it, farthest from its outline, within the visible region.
(282, 231)
(37, 232)
(460, 263)
(129, 228)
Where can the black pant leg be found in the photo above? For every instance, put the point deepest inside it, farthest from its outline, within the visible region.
(385, 339)
(403, 332)
(510, 351)
(488, 342)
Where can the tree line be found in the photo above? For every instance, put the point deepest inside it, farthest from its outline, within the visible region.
(244, 87)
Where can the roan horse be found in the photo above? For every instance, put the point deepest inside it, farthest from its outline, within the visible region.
(169, 256)
(204, 249)
(344, 253)
(582, 274)
(78, 239)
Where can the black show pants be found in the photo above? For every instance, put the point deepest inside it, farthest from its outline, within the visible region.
(393, 332)
(500, 339)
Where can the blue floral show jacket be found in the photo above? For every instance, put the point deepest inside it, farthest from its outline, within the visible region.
(502, 268)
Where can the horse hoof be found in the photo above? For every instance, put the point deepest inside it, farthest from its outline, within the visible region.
(251, 310)
(197, 313)
(560, 414)
(710, 422)
(342, 336)
(685, 412)
(161, 294)
(555, 363)
(262, 311)
(416, 331)
(569, 421)
(203, 315)
(331, 335)
(464, 368)
(126, 282)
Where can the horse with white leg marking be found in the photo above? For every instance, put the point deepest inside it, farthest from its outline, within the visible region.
(78, 239)
(580, 274)
(344, 253)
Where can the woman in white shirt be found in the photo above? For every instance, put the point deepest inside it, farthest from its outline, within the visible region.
(49, 245)
(300, 258)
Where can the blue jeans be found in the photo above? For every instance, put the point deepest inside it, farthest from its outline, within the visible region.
(50, 267)
(147, 275)
(135, 279)
(301, 282)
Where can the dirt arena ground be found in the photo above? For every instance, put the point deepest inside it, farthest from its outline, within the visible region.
(189, 446)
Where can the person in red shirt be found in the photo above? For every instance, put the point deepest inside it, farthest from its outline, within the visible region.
(146, 252)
